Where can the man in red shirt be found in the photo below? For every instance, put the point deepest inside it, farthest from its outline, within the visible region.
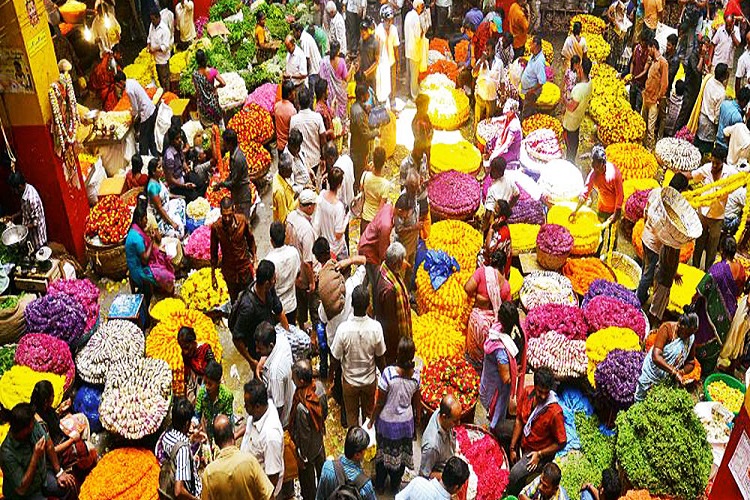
(539, 429)
(606, 178)
(283, 111)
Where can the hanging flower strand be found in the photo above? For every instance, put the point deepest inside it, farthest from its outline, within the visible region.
(64, 109)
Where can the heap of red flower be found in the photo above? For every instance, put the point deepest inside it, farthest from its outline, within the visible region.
(486, 458)
(109, 219)
(450, 376)
(258, 159)
(252, 124)
(444, 66)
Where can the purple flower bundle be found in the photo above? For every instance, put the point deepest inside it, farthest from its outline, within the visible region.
(453, 193)
(554, 239)
(635, 206)
(527, 211)
(58, 315)
(616, 377)
(685, 133)
(85, 292)
(44, 353)
(565, 320)
(602, 312)
(200, 24)
(615, 290)
(264, 96)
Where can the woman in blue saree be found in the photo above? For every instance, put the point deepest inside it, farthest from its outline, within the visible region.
(149, 267)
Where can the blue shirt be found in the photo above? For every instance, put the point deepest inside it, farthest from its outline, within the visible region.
(134, 247)
(328, 483)
(729, 114)
(534, 73)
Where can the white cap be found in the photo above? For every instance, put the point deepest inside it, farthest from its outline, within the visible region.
(331, 7)
(307, 197)
(417, 3)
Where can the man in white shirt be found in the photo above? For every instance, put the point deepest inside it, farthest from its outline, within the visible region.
(142, 108)
(725, 39)
(159, 43)
(336, 27)
(355, 12)
(413, 39)
(167, 17)
(738, 136)
(310, 124)
(360, 346)
(296, 63)
(502, 188)
(714, 94)
(287, 262)
(185, 22)
(275, 368)
(455, 474)
(264, 434)
(310, 49)
(301, 235)
(487, 72)
(344, 163)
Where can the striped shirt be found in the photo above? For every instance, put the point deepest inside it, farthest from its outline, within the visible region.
(32, 212)
(184, 469)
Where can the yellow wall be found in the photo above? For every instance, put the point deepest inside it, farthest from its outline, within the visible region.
(17, 32)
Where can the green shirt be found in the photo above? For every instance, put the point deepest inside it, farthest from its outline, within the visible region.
(205, 408)
(581, 93)
(15, 457)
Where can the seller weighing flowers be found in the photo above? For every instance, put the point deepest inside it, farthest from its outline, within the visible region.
(606, 178)
(32, 211)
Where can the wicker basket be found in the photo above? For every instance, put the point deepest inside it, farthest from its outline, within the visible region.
(625, 265)
(107, 260)
(549, 261)
(129, 196)
(678, 221)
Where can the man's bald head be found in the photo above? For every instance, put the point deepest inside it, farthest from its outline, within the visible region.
(223, 431)
(450, 411)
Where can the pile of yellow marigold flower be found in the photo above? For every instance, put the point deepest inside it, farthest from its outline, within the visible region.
(633, 160)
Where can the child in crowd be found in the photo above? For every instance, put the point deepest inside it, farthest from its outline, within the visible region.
(571, 78)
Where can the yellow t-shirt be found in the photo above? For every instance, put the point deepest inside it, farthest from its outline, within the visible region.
(260, 35)
(375, 188)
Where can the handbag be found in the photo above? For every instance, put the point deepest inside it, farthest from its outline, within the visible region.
(378, 116)
(358, 203)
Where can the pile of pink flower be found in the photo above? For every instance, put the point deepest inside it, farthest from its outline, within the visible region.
(198, 244)
(554, 239)
(46, 354)
(685, 133)
(264, 96)
(563, 319)
(602, 312)
(85, 292)
(454, 195)
(488, 461)
(635, 205)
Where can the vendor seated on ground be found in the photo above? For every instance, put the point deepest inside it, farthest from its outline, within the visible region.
(195, 358)
(539, 430)
(135, 178)
(168, 212)
(150, 269)
(32, 210)
(547, 486)
(438, 439)
(672, 355)
(609, 489)
(175, 167)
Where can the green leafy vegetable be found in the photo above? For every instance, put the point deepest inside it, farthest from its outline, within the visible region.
(577, 470)
(7, 356)
(598, 448)
(9, 302)
(223, 8)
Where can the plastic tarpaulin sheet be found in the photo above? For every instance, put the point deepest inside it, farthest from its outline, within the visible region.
(573, 400)
(439, 265)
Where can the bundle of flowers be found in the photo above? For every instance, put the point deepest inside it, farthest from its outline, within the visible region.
(258, 160)
(487, 459)
(198, 292)
(430, 343)
(539, 120)
(234, 93)
(560, 181)
(109, 220)
(617, 376)
(598, 48)
(550, 95)
(678, 154)
(450, 300)
(162, 342)
(635, 205)
(198, 208)
(123, 474)
(547, 49)
(603, 311)
(490, 128)
(264, 96)
(252, 123)
(143, 68)
(436, 81)
(685, 134)
(461, 156)
(609, 289)
(554, 239)
(178, 62)
(462, 50)
(730, 397)
(7, 357)
(84, 292)
(622, 126)
(682, 294)
(444, 66)
(458, 239)
(601, 343)
(448, 109)
(662, 446)
(454, 194)
(589, 24)
(17, 384)
(566, 358)
(162, 309)
(633, 160)
(543, 145)
(61, 316)
(585, 228)
(523, 237)
(44, 353)
(440, 45)
(582, 272)
(114, 340)
(136, 397)
(450, 376)
(198, 244)
(529, 211)
(563, 319)
(630, 186)
(546, 287)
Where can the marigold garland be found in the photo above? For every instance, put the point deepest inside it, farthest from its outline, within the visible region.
(109, 220)
(123, 474)
(633, 160)
(444, 66)
(440, 45)
(706, 195)
(447, 340)
(165, 307)
(462, 51)
(550, 95)
(458, 239)
(450, 300)
(583, 272)
(589, 24)
(523, 237)
(18, 382)
(624, 125)
(598, 48)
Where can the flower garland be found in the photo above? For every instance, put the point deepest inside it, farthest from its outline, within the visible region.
(583, 272)
(633, 160)
(462, 157)
(198, 292)
(624, 125)
(585, 228)
(123, 474)
(630, 186)
(450, 376)
(114, 340)
(554, 239)
(431, 345)
(708, 194)
(450, 300)
(564, 319)
(565, 357)
(458, 239)
(589, 23)
(64, 110)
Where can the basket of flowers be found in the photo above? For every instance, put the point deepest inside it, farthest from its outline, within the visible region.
(450, 376)
(553, 246)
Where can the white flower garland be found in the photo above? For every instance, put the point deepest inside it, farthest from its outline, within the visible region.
(65, 128)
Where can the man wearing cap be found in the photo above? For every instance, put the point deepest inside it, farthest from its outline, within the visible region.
(300, 235)
(388, 62)
(336, 27)
(413, 40)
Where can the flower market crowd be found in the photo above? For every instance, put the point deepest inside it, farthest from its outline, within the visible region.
(491, 270)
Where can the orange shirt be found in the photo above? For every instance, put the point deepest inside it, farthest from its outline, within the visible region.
(651, 11)
(657, 81)
(609, 188)
(518, 25)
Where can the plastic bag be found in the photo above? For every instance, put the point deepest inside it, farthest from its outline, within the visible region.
(439, 265)
(573, 400)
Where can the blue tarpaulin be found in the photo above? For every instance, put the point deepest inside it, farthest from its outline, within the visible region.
(573, 400)
(439, 265)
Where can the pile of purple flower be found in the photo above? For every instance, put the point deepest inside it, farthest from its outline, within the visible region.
(602, 312)
(85, 292)
(454, 194)
(616, 377)
(60, 315)
(609, 289)
(527, 211)
(565, 320)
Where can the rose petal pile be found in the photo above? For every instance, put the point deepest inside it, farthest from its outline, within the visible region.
(162, 342)
(617, 376)
(546, 287)
(454, 194)
(84, 292)
(44, 353)
(633, 160)
(609, 289)
(461, 156)
(450, 376)
(109, 220)
(17, 384)
(602, 312)
(198, 244)
(487, 459)
(554, 239)
(601, 343)
(59, 315)
(537, 121)
(198, 292)
(432, 344)
(566, 358)
(123, 474)
(523, 237)
(582, 272)
(635, 206)
(114, 340)
(162, 309)
(564, 319)
(252, 124)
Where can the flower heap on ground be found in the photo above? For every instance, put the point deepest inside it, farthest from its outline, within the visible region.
(582, 272)
(617, 376)
(450, 376)
(198, 292)
(585, 228)
(454, 194)
(449, 342)
(113, 341)
(546, 287)
(61, 316)
(84, 292)
(198, 209)
(554, 239)
(557, 339)
(44, 353)
(487, 460)
(123, 474)
(603, 311)
(602, 342)
(198, 244)
(633, 160)
(17, 384)
(523, 237)
(540, 121)
(462, 157)
(630, 186)
(162, 309)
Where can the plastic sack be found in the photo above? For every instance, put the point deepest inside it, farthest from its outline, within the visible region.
(87, 402)
(163, 122)
(573, 400)
(439, 265)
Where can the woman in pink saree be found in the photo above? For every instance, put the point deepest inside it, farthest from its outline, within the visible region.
(334, 71)
(489, 289)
